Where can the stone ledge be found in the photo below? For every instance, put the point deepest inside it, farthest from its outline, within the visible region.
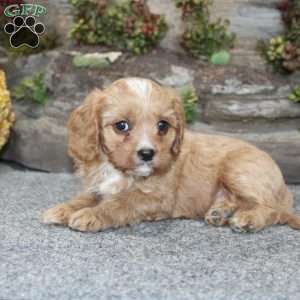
(251, 108)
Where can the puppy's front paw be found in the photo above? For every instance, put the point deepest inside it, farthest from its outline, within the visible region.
(58, 215)
(86, 220)
(219, 214)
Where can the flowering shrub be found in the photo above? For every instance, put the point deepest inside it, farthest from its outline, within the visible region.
(7, 117)
(127, 25)
(283, 52)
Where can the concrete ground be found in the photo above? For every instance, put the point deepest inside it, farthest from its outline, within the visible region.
(179, 259)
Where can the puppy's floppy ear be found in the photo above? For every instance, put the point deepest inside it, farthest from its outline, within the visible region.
(83, 128)
(180, 119)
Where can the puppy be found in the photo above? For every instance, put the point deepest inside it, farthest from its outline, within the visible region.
(138, 163)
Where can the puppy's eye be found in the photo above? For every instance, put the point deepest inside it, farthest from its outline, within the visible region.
(163, 126)
(122, 126)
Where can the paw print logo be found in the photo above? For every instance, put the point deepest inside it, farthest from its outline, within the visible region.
(24, 31)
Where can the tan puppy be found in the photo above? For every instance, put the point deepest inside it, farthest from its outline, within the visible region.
(137, 162)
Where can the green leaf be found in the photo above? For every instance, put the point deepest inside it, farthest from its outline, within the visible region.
(220, 58)
(190, 102)
(90, 60)
(32, 89)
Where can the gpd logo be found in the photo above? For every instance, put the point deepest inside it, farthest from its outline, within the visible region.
(24, 29)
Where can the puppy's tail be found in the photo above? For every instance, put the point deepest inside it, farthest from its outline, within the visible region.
(288, 217)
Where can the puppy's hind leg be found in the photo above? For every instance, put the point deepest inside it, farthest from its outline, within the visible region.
(61, 213)
(254, 219)
(254, 178)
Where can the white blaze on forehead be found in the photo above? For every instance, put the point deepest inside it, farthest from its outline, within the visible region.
(142, 87)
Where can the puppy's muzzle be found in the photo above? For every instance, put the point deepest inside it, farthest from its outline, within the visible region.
(146, 154)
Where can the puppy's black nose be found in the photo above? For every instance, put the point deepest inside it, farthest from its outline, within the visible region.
(146, 154)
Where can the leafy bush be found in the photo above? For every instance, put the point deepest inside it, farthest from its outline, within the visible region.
(203, 37)
(32, 89)
(189, 100)
(127, 25)
(283, 52)
(273, 52)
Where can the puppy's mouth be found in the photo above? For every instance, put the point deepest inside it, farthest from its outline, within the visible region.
(143, 169)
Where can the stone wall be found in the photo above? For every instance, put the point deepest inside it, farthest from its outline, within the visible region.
(245, 103)
(242, 99)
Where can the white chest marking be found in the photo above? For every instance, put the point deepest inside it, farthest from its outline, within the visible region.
(107, 180)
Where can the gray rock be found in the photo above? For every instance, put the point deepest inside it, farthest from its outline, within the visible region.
(58, 18)
(39, 144)
(175, 24)
(251, 20)
(178, 77)
(255, 21)
(28, 65)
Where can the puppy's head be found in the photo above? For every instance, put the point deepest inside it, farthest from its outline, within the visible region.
(135, 123)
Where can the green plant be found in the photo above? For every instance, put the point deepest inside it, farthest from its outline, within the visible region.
(295, 94)
(273, 51)
(126, 24)
(283, 52)
(202, 37)
(32, 89)
(189, 100)
(220, 58)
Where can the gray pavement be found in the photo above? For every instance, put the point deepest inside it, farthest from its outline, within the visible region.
(179, 259)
